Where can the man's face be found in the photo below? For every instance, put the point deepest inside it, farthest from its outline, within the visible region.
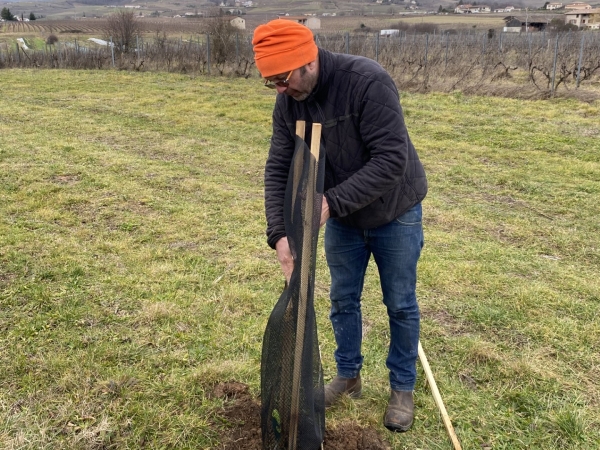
(300, 84)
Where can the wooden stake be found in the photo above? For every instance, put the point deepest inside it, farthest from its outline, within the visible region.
(438, 398)
(315, 145)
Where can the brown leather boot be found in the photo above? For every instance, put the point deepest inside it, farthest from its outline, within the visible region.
(400, 411)
(339, 386)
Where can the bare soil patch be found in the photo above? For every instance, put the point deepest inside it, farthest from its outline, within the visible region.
(241, 417)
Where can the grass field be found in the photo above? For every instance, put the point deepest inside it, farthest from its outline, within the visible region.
(134, 273)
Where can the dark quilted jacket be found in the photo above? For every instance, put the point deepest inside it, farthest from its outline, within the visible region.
(373, 173)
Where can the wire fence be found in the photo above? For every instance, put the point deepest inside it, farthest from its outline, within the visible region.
(477, 62)
(201, 54)
(545, 62)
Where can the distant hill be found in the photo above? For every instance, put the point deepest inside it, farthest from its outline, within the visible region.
(264, 10)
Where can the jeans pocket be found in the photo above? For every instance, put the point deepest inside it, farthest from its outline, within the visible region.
(411, 217)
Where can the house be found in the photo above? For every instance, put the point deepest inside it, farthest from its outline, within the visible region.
(578, 5)
(526, 24)
(472, 9)
(585, 18)
(552, 6)
(463, 9)
(312, 23)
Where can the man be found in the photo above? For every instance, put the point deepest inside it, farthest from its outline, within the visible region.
(374, 184)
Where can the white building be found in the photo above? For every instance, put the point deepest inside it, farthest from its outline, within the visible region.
(471, 9)
(584, 18)
(313, 23)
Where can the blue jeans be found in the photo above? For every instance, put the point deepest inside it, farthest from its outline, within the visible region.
(396, 248)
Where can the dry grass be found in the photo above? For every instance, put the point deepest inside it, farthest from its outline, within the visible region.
(443, 22)
(134, 273)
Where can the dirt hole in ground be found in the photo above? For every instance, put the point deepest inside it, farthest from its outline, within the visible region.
(240, 417)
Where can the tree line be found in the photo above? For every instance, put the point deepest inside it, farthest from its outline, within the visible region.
(6, 15)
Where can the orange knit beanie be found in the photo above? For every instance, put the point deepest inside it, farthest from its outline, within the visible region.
(282, 45)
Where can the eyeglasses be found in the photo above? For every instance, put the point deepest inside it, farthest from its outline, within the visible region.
(281, 83)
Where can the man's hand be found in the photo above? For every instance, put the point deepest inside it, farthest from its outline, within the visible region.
(284, 256)
(282, 247)
(324, 211)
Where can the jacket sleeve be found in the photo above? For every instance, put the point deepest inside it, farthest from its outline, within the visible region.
(276, 175)
(384, 135)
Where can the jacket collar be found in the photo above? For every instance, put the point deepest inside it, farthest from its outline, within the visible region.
(325, 73)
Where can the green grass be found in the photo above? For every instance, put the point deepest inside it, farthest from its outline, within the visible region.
(134, 272)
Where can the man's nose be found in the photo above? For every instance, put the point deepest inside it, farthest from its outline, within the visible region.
(280, 89)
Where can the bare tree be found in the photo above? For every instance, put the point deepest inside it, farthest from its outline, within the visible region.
(223, 41)
(122, 27)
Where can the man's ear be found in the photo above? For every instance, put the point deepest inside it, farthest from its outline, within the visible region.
(312, 66)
